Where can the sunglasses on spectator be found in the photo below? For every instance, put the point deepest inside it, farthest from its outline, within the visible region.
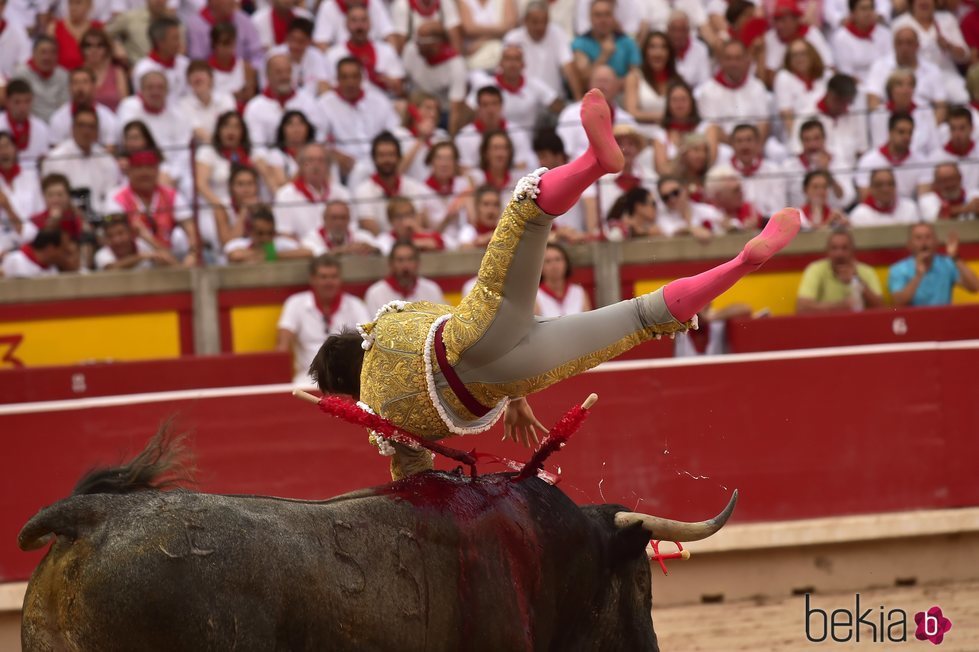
(673, 194)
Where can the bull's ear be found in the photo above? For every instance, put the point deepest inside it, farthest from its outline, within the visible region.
(628, 542)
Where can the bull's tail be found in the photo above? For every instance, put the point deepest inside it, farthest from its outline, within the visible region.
(162, 465)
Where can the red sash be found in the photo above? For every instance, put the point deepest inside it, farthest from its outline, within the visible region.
(159, 218)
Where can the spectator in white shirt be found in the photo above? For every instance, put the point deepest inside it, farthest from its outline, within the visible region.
(14, 43)
(883, 206)
(787, 27)
(165, 57)
(81, 86)
(403, 282)
(435, 67)
(233, 75)
(569, 124)
(682, 216)
(681, 119)
(40, 257)
(733, 96)
(547, 50)
(262, 244)
(331, 24)
(488, 118)
(900, 99)
(960, 147)
(374, 193)
(126, 248)
(381, 63)
(817, 156)
(816, 207)
(264, 112)
(20, 196)
(419, 133)
(483, 27)
(88, 166)
(941, 43)
(860, 41)
(930, 89)
(281, 158)
(30, 133)
(525, 99)
(170, 130)
(845, 125)
(309, 317)
(557, 296)
(646, 85)
(407, 15)
(448, 199)
(299, 204)
(202, 105)
(949, 199)
(693, 61)
(308, 61)
(48, 80)
(908, 167)
(407, 226)
(272, 21)
(337, 236)
(582, 220)
(799, 82)
(763, 180)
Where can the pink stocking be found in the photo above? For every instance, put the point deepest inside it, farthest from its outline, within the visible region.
(685, 297)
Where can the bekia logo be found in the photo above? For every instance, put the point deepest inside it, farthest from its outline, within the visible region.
(873, 625)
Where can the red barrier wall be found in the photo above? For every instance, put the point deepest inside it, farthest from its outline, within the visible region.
(800, 436)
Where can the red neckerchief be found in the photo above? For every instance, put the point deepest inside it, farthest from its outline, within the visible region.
(975, 105)
(281, 99)
(444, 53)
(799, 33)
(661, 76)
(69, 222)
(501, 185)
(696, 193)
(393, 284)
(280, 25)
(807, 211)
(722, 79)
(870, 201)
(947, 204)
(627, 181)
(508, 87)
(31, 255)
(745, 211)
(824, 109)
(960, 152)
(328, 311)
(166, 63)
(236, 155)
(214, 63)
(43, 75)
(886, 152)
(353, 102)
(483, 229)
(3, 25)
(11, 174)
(21, 132)
(330, 242)
(420, 7)
(367, 55)
(807, 82)
(307, 192)
(481, 126)
(866, 34)
(146, 107)
(683, 127)
(209, 17)
(389, 190)
(681, 53)
(891, 108)
(746, 170)
(443, 189)
(554, 295)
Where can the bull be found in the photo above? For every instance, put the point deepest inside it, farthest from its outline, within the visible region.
(437, 561)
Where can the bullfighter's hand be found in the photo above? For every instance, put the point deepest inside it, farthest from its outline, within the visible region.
(520, 424)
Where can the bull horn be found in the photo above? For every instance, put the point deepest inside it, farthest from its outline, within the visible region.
(666, 529)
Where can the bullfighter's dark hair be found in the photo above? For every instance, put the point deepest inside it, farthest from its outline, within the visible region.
(336, 367)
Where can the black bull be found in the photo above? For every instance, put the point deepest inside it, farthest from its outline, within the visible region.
(434, 562)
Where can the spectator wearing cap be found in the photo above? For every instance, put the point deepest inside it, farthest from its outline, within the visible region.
(20, 196)
(525, 100)
(81, 86)
(262, 244)
(900, 99)
(436, 67)
(309, 317)
(844, 120)
(203, 104)
(272, 21)
(816, 155)
(374, 193)
(199, 27)
(896, 154)
(48, 81)
(407, 225)
(40, 257)
(581, 219)
(546, 49)
(941, 43)
(569, 122)
(130, 28)
(883, 206)
(164, 57)
(308, 61)
(839, 281)
(949, 199)
(930, 89)
(926, 277)
(960, 146)
(88, 166)
(407, 15)
(352, 114)
(264, 112)
(733, 96)
(725, 192)
(403, 282)
(816, 206)
(787, 26)
(232, 76)
(488, 118)
(171, 131)
(29, 131)
(633, 175)
(162, 211)
(763, 180)
(693, 62)
(331, 22)
(299, 204)
(129, 247)
(337, 236)
(379, 59)
(604, 44)
(860, 41)
(682, 216)
(15, 45)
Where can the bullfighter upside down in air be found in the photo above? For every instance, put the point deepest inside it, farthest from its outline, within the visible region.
(437, 371)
